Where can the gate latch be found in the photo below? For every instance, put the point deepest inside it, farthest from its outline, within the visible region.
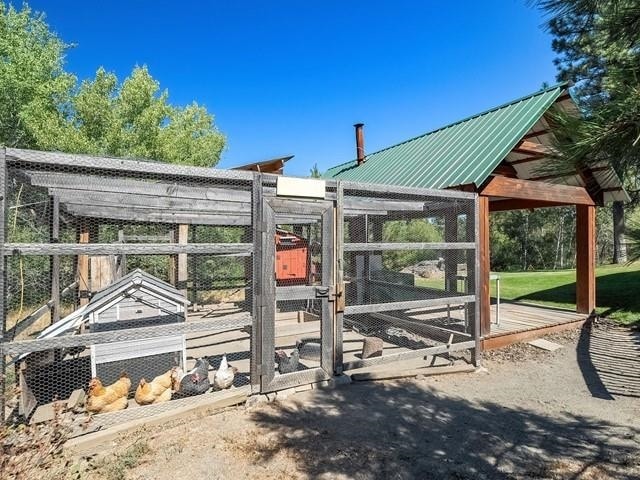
(323, 292)
(330, 292)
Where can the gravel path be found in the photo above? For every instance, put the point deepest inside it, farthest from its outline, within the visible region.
(571, 414)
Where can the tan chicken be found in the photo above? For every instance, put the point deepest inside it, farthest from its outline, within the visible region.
(101, 399)
(157, 390)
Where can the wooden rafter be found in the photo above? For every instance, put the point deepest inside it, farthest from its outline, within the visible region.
(592, 185)
(543, 178)
(532, 148)
(536, 133)
(532, 158)
(506, 170)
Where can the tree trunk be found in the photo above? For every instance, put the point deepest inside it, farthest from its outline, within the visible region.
(619, 247)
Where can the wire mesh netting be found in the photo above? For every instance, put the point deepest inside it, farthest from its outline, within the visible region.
(127, 283)
(409, 272)
(135, 287)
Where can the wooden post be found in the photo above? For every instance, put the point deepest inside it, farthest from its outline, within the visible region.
(54, 261)
(183, 275)
(121, 262)
(82, 268)
(585, 258)
(375, 262)
(3, 280)
(359, 261)
(247, 233)
(173, 259)
(450, 256)
(472, 267)
(484, 266)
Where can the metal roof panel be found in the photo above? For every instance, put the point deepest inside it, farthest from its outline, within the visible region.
(461, 153)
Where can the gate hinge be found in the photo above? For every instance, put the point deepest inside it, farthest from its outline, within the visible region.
(339, 297)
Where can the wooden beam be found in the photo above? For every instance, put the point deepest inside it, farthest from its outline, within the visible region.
(89, 184)
(592, 185)
(82, 268)
(536, 133)
(467, 187)
(471, 259)
(54, 263)
(484, 266)
(505, 169)
(543, 178)
(182, 273)
(500, 341)
(92, 248)
(585, 258)
(148, 202)
(518, 204)
(530, 190)
(450, 257)
(534, 148)
(532, 158)
(169, 216)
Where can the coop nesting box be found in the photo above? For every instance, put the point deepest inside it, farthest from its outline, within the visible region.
(136, 300)
(293, 262)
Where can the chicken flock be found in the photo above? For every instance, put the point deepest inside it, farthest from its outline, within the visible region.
(175, 383)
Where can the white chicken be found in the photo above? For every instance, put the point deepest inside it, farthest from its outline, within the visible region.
(224, 375)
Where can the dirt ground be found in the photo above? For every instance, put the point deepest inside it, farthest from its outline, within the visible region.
(570, 414)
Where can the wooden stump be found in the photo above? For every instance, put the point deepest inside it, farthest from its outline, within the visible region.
(372, 347)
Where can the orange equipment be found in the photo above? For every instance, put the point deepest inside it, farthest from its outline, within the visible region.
(292, 259)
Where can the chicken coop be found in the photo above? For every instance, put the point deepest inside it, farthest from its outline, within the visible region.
(123, 274)
(136, 300)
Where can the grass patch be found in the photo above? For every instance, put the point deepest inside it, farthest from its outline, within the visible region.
(617, 290)
(115, 467)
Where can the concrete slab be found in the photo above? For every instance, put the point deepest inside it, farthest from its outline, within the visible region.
(545, 344)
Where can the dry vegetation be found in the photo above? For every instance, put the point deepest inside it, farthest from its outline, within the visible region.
(35, 451)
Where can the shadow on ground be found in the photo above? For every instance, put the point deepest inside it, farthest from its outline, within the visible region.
(406, 430)
(609, 359)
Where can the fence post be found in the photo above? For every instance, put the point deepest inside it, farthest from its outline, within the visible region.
(256, 285)
(54, 237)
(3, 281)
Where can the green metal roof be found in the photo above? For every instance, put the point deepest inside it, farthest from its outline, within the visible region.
(461, 153)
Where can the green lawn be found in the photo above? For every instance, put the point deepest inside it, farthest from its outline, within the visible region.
(617, 290)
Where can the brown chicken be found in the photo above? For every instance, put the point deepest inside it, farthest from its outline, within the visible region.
(157, 390)
(101, 399)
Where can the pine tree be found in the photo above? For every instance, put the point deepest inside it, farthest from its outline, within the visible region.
(598, 47)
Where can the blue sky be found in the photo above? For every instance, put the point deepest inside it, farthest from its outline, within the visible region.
(292, 77)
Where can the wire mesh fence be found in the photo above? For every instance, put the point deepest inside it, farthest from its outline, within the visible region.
(134, 287)
(409, 266)
(127, 283)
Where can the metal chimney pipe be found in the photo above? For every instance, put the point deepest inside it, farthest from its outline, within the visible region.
(360, 143)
